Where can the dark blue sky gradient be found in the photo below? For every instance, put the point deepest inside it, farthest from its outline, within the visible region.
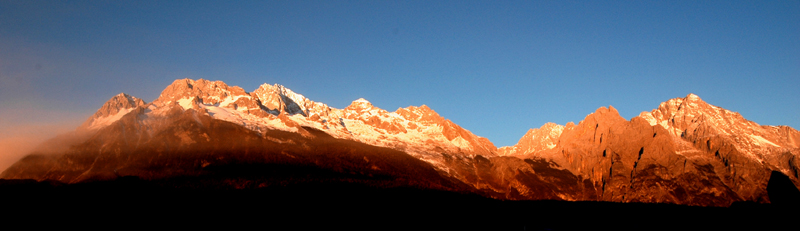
(497, 68)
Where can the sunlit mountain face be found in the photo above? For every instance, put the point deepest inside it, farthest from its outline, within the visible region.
(201, 138)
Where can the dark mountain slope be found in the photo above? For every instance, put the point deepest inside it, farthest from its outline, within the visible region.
(209, 153)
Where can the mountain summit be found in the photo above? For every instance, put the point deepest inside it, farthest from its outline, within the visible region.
(684, 152)
(111, 111)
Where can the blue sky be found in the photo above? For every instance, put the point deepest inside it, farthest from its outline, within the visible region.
(497, 68)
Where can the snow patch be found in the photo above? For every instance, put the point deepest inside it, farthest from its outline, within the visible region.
(186, 102)
(760, 140)
(108, 120)
(461, 143)
(649, 118)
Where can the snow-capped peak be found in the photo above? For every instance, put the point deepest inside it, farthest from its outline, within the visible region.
(417, 130)
(362, 105)
(207, 92)
(361, 101)
(111, 111)
(693, 119)
(535, 140)
(692, 96)
(278, 98)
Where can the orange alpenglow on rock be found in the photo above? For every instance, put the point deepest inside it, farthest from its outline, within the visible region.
(684, 152)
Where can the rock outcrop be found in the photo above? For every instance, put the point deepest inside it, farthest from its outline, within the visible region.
(111, 111)
(534, 141)
(684, 152)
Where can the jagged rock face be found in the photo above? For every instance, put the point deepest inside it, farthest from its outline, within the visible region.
(684, 152)
(187, 93)
(372, 116)
(417, 130)
(424, 134)
(111, 111)
(747, 151)
(207, 92)
(695, 120)
(421, 127)
(277, 98)
(224, 155)
(632, 161)
(193, 144)
(534, 141)
(425, 116)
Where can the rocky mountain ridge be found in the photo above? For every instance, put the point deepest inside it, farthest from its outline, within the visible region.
(660, 154)
(684, 152)
(111, 111)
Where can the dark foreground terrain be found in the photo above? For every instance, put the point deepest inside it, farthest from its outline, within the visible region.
(129, 201)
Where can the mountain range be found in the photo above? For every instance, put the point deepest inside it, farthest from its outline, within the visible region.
(206, 134)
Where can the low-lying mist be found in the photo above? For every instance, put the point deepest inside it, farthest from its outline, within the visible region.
(25, 125)
(18, 141)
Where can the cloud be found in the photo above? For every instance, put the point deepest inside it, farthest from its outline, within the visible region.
(20, 139)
